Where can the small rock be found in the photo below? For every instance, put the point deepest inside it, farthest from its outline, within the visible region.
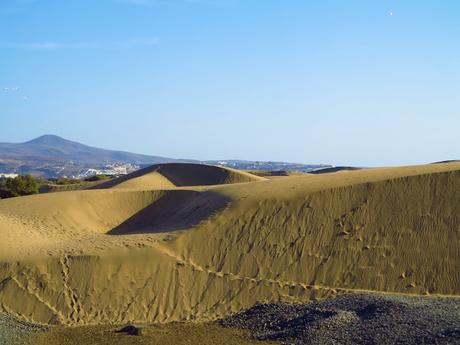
(131, 330)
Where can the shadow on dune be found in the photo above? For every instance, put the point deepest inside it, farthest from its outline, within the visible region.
(175, 210)
(332, 170)
(184, 174)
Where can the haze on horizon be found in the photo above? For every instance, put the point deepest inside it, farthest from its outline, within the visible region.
(356, 82)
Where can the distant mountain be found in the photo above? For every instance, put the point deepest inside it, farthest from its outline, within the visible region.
(52, 147)
(53, 156)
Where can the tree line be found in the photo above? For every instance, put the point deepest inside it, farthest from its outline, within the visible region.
(27, 184)
(18, 186)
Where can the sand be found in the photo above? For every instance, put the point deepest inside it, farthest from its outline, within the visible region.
(176, 243)
(170, 334)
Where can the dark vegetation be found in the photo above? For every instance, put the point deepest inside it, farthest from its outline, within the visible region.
(63, 181)
(97, 178)
(29, 185)
(18, 186)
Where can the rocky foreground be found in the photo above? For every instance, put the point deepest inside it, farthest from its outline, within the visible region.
(14, 331)
(370, 319)
(355, 319)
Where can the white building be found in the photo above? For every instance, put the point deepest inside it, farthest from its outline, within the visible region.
(5, 175)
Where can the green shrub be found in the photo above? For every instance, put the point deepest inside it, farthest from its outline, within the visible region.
(96, 178)
(20, 185)
(65, 180)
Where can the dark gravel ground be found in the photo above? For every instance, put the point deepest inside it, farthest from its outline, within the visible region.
(14, 331)
(370, 319)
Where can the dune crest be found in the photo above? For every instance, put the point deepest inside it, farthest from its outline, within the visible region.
(172, 175)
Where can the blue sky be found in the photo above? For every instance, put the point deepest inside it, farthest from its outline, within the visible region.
(342, 82)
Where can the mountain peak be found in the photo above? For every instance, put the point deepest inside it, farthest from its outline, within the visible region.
(47, 139)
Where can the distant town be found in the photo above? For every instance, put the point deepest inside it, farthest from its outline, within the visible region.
(120, 168)
(51, 157)
(115, 169)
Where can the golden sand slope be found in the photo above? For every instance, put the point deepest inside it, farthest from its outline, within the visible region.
(119, 255)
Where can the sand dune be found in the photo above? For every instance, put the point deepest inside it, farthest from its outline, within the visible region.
(179, 175)
(139, 253)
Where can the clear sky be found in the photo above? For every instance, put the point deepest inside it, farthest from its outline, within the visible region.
(370, 82)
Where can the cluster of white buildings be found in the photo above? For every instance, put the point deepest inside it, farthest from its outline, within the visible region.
(8, 175)
(109, 170)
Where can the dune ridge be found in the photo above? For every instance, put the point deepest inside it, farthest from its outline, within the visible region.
(119, 258)
(172, 175)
